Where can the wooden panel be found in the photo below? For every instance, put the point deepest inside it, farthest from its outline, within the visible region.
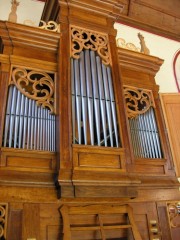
(53, 232)
(15, 225)
(99, 160)
(147, 169)
(88, 157)
(142, 224)
(163, 221)
(171, 108)
(159, 14)
(144, 214)
(50, 222)
(31, 221)
(29, 160)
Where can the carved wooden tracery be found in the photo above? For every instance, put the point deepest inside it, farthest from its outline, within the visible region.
(173, 209)
(51, 25)
(3, 220)
(36, 85)
(138, 101)
(86, 39)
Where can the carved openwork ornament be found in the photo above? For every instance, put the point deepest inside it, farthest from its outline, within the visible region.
(138, 101)
(36, 85)
(3, 220)
(86, 39)
(51, 25)
(173, 209)
(122, 43)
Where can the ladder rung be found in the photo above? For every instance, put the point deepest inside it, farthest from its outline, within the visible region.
(98, 227)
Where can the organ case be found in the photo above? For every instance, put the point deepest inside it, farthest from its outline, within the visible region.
(113, 174)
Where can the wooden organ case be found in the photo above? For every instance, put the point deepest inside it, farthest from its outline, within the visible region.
(80, 114)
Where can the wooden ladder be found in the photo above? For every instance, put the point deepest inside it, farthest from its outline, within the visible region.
(104, 221)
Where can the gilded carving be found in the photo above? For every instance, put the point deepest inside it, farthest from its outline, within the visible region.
(120, 42)
(138, 101)
(51, 25)
(173, 209)
(3, 220)
(36, 85)
(86, 39)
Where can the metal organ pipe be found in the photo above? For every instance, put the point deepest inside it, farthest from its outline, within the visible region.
(27, 126)
(102, 100)
(83, 96)
(89, 95)
(144, 135)
(94, 117)
(95, 96)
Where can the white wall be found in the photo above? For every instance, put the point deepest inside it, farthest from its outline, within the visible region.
(160, 47)
(28, 10)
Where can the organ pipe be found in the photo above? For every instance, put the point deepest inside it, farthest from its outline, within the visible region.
(28, 126)
(93, 104)
(145, 136)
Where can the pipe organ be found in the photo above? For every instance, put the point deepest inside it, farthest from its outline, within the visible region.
(84, 151)
(93, 103)
(30, 119)
(144, 131)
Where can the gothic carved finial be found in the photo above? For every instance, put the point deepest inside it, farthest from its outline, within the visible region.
(144, 48)
(13, 14)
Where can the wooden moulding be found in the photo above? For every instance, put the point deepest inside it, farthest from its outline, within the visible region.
(28, 41)
(111, 8)
(32, 36)
(98, 158)
(29, 161)
(136, 61)
(92, 14)
(104, 191)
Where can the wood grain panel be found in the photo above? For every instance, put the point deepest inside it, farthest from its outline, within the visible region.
(50, 222)
(53, 232)
(146, 169)
(158, 5)
(163, 220)
(88, 157)
(15, 225)
(99, 160)
(31, 221)
(29, 160)
(171, 109)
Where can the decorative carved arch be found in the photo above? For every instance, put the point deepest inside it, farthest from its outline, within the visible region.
(36, 85)
(87, 39)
